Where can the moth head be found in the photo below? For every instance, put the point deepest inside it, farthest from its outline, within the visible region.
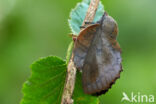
(109, 26)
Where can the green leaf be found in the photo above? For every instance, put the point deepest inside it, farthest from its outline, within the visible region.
(78, 14)
(46, 83)
(45, 86)
(69, 52)
(79, 96)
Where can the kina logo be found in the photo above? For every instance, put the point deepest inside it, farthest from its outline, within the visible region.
(137, 98)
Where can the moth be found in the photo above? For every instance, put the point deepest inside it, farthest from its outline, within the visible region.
(98, 54)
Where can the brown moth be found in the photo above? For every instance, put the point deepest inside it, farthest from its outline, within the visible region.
(97, 53)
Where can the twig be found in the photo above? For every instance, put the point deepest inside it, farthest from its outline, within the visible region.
(91, 11)
(71, 71)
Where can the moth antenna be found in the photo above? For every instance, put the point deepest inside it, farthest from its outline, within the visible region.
(103, 17)
(74, 39)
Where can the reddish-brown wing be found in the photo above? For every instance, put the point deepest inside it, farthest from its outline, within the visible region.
(102, 64)
(82, 44)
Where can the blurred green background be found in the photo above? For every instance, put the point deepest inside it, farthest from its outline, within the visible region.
(30, 29)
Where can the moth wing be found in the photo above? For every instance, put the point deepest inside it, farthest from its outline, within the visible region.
(82, 44)
(102, 65)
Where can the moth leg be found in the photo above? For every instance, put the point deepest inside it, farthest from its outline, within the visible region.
(74, 37)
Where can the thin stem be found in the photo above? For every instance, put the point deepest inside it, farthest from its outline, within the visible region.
(71, 71)
(91, 11)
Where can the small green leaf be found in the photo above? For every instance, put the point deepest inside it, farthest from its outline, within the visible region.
(46, 83)
(78, 14)
(45, 86)
(69, 52)
(79, 96)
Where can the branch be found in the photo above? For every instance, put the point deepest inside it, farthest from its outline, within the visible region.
(71, 71)
(91, 11)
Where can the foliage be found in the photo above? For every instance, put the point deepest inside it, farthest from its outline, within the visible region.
(45, 86)
(46, 83)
